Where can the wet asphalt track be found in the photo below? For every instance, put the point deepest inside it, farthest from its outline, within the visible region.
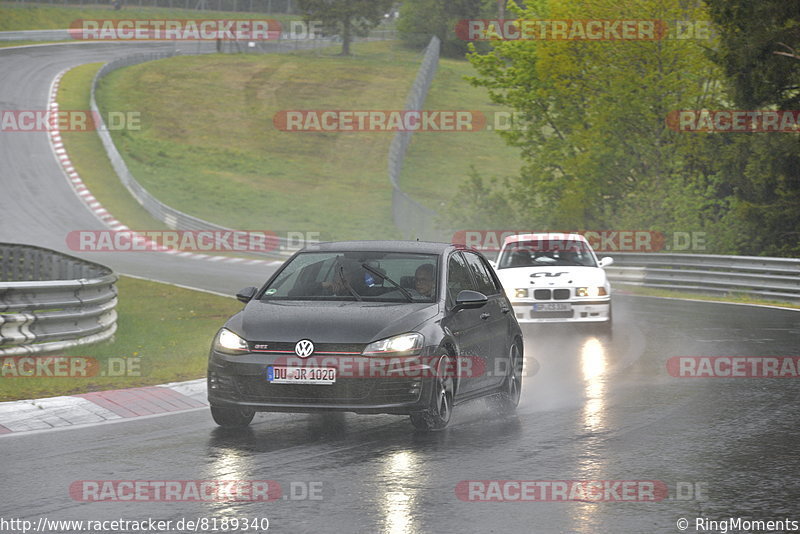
(595, 409)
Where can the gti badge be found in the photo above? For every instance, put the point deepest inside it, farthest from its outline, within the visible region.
(304, 348)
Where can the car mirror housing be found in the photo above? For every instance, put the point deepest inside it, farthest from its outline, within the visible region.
(246, 294)
(605, 262)
(470, 299)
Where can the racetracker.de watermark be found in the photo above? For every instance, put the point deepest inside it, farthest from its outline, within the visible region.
(379, 121)
(174, 29)
(187, 240)
(734, 366)
(599, 240)
(582, 29)
(195, 490)
(561, 490)
(67, 367)
(733, 121)
(384, 366)
(45, 120)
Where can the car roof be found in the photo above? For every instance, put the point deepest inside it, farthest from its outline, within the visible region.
(420, 247)
(552, 236)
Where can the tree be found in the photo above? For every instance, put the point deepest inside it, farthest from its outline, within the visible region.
(596, 149)
(421, 19)
(758, 52)
(347, 18)
(754, 36)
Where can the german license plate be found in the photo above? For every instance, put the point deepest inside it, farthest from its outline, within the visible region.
(323, 376)
(552, 307)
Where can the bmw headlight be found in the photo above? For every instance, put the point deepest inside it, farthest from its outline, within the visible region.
(590, 292)
(229, 343)
(517, 293)
(404, 343)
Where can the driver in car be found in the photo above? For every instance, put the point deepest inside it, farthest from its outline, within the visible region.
(343, 276)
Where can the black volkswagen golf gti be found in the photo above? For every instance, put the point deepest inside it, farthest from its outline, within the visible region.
(369, 327)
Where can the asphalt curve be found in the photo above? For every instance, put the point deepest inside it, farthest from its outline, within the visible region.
(38, 205)
(593, 409)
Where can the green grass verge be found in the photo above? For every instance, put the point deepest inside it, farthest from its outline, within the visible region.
(89, 157)
(733, 297)
(164, 333)
(437, 163)
(208, 146)
(15, 17)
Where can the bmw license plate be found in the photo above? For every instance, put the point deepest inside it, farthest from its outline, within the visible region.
(552, 307)
(324, 376)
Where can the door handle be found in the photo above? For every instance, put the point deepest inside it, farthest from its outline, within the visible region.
(485, 315)
(505, 309)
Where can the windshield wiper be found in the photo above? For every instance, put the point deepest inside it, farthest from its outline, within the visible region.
(384, 277)
(347, 283)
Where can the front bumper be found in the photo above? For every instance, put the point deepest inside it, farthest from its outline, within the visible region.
(363, 384)
(596, 310)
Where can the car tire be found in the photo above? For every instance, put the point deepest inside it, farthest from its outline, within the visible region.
(508, 399)
(440, 409)
(232, 417)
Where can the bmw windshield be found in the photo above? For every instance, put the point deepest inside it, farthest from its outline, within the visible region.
(546, 253)
(368, 276)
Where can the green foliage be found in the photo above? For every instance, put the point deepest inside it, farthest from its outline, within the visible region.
(480, 205)
(421, 19)
(346, 18)
(759, 44)
(597, 149)
(753, 38)
(598, 153)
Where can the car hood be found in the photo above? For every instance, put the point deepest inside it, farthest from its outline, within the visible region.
(552, 276)
(328, 322)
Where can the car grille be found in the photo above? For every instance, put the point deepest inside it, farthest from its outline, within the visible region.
(344, 391)
(319, 348)
(554, 294)
(542, 294)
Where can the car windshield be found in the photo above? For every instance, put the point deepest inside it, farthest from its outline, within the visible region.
(366, 276)
(546, 252)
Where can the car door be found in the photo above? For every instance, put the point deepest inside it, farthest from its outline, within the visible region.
(465, 326)
(494, 330)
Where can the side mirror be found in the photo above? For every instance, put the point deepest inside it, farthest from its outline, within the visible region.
(468, 299)
(246, 294)
(605, 262)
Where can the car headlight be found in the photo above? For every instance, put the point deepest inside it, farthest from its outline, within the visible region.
(517, 293)
(404, 343)
(229, 343)
(590, 292)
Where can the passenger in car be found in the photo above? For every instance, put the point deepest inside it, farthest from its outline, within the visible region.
(424, 280)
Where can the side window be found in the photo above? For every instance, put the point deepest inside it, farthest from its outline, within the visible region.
(498, 287)
(483, 278)
(457, 278)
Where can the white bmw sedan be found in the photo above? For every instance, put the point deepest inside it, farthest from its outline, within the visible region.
(555, 278)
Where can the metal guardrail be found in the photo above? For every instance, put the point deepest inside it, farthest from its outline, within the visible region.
(287, 39)
(777, 278)
(412, 218)
(253, 6)
(51, 301)
(36, 35)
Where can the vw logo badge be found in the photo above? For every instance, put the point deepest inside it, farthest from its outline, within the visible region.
(304, 348)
